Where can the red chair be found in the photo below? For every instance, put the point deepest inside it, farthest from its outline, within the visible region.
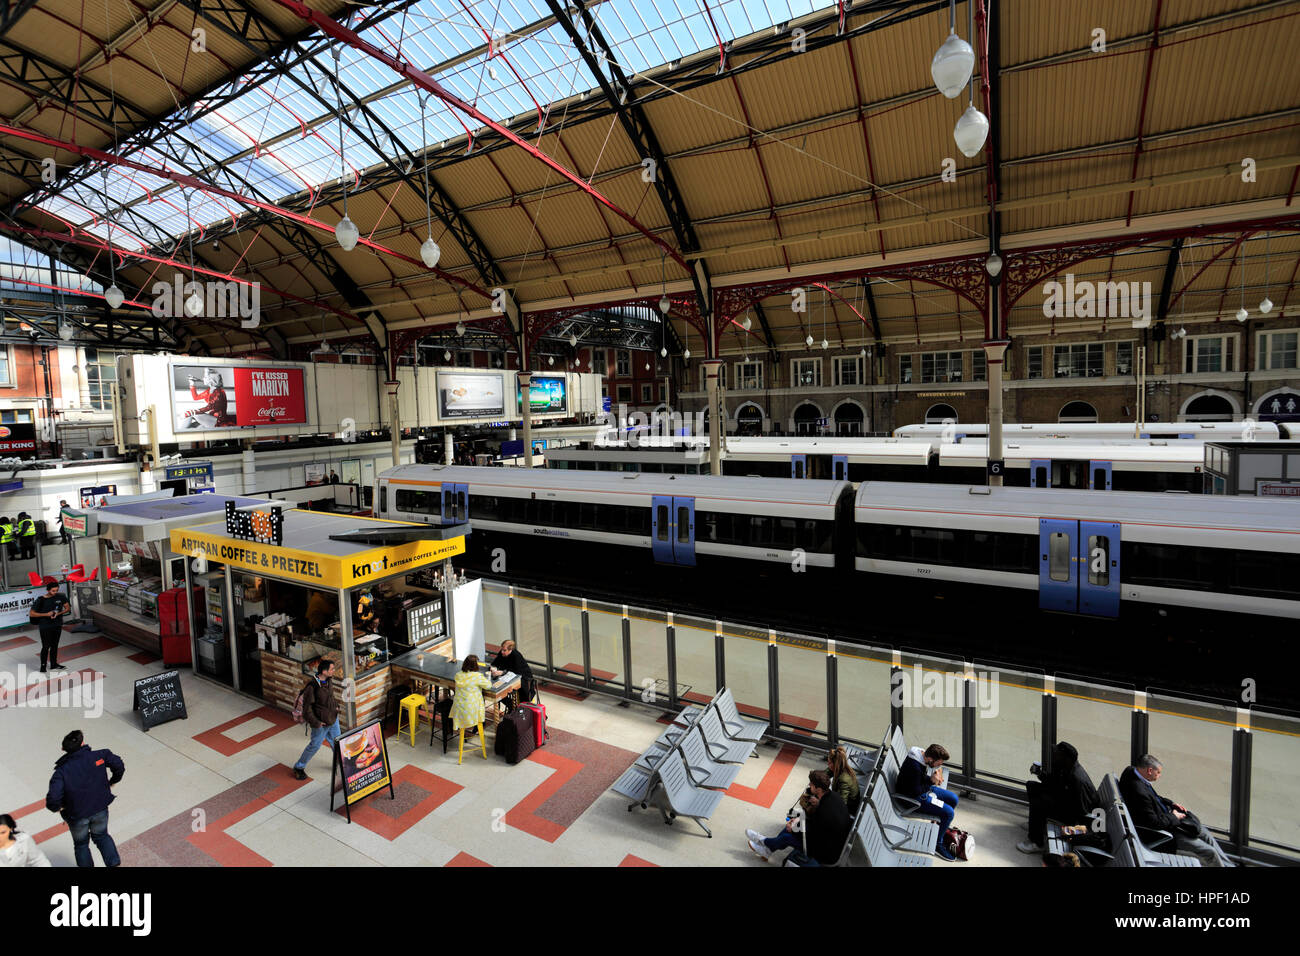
(35, 579)
(77, 575)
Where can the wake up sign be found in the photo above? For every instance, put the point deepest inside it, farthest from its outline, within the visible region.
(159, 699)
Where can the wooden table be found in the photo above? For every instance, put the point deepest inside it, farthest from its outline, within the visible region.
(440, 672)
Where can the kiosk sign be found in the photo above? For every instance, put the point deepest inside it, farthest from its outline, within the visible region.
(360, 765)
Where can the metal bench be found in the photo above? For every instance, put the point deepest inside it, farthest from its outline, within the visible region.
(703, 769)
(735, 725)
(919, 835)
(683, 798)
(871, 837)
(721, 747)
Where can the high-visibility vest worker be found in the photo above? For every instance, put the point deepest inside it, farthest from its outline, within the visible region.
(6, 532)
(26, 528)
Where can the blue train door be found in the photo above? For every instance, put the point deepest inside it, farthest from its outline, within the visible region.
(455, 502)
(1058, 578)
(798, 466)
(1040, 473)
(661, 535)
(672, 522)
(840, 467)
(1079, 567)
(1099, 475)
(1099, 568)
(684, 531)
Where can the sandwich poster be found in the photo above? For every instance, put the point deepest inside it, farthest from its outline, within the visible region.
(364, 761)
(236, 396)
(471, 394)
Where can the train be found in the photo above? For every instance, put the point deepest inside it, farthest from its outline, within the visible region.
(1098, 431)
(1099, 464)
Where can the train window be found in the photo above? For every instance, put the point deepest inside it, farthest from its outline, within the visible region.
(383, 499)
(760, 532)
(683, 524)
(932, 544)
(1040, 476)
(462, 507)
(784, 533)
(1176, 566)
(798, 469)
(1058, 556)
(1099, 559)
(417, 502)
(1266, 575)
(661, 522)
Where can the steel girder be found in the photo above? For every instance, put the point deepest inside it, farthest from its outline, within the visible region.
(636, 126)
(11, 11)
(1167, 283)
(376, 134)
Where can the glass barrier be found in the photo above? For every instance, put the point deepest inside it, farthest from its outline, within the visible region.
(1193, 741)
(649, 639)
(801, 684)
(1275, 780)
(1008, 721)
(566, 635)
(744, 658)
(530, 633)
(932, 693)
(1098, 721)
(496, 615)
(862, 679)
(697, 672)
(605, 627)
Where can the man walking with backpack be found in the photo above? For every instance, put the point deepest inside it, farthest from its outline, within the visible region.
(320, 712)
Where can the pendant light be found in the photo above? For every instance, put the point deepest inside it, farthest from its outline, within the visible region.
(112, 295)
(550, 360)
(954, 61)
(1265, 304)
(346, 232)
(194, 304)
(429, 250)
(1242, 314)
(972, 127)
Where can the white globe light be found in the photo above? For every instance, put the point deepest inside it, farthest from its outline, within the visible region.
(663, 352)
(429, 251)
(971, 131)
(577, 360)
(808, 341)
(687, 355)
(993, 264)
(1265, 306)
(550, 360)
(66, 332)
(825, 344)
(862, 353)
(665, 304)
(114, 297)
(746, 322)
(446, 356)
(952, 65)
(492, 72)
(647, 366)
(460, 328)
(194, 305)
(1242, 315)
(347, 234)
(573, 340)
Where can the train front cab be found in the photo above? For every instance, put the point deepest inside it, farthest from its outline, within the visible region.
(672, 539)
(1079, 566)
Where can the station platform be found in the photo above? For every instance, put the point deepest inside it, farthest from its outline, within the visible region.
(217, 790)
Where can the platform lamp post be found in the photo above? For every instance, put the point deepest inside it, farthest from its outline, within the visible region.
(394, 421)
(995, 349)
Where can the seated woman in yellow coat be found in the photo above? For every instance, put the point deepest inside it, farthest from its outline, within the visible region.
(467, 708)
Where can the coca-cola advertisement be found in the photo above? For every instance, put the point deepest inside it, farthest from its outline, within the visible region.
(208, 397)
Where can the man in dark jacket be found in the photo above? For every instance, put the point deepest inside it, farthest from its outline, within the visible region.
(320, 712)
(79, 790)
(1064, 794)
(826, 827)
(1149, 809)
(921, 777)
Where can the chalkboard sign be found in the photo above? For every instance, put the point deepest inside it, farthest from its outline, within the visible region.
(159, 699)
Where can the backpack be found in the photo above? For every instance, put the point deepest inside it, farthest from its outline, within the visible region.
(959, 843)
(298, 705)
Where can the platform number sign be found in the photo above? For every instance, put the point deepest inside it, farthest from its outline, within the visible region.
(264, 527)
(996, 467)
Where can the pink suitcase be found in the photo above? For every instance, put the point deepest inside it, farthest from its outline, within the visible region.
(539, 722)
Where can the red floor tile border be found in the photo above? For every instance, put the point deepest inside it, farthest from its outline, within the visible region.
(50, 686)
(631, 860)
(770, 786)
(464, 859)
(70, 652)
(439, 791)
(596, 672)
(228, 747)
(523, 815)
(18, 641)
(143, 657)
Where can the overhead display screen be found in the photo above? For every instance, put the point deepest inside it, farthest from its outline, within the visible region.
(545, 394)
(471, 394)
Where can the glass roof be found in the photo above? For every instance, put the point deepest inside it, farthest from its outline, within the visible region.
(280, 138)
(23, 269)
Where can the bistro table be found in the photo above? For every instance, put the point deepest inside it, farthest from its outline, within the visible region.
(424, 667)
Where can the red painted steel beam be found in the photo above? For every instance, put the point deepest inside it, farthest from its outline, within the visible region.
(426, 82)
(1142, 110)
(190, 181)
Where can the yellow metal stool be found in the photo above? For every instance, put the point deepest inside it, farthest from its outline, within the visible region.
(481, 742)
(410, 707)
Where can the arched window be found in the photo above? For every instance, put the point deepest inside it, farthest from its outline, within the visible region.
(1077, 412)
(937, 414)
(805, 419)
(749, 419)
(1209, 408)
(849, 419)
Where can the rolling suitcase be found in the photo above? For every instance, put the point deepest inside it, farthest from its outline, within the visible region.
(540, 733)
(515, 735)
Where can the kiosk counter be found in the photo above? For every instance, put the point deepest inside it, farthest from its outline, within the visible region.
(283, 589)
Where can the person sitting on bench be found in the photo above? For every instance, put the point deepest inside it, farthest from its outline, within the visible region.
(921, 778)
(825, 820)
(1149, 809)
(1064, 794)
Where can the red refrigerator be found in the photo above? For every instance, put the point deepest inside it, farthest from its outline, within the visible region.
(174, 624)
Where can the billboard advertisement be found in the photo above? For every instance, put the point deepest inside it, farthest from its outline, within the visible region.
(18, 441)
(471, 394)
(545, 394)
(208, 397)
